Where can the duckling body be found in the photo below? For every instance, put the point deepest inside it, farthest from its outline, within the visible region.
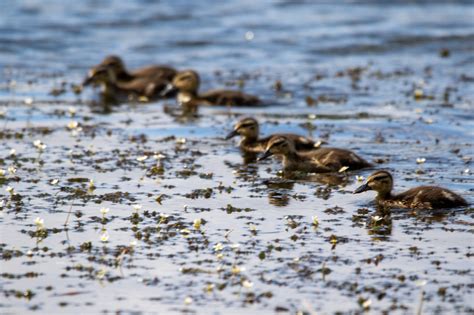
(423, 197)
(248, 129)
(112, 75)
(187, 83)
(138, 89)
(228, 98)
(160, 71)
(319, 160)
(333, 158)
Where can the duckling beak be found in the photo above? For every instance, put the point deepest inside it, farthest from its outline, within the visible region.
(264, 156)
(232, 134)
(168, 89)
(320, 143)
(362, 188)
(92, 75)
(88, 80)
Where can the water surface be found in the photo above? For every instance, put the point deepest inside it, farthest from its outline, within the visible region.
(256, 250)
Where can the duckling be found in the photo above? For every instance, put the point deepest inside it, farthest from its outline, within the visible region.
(111, 90)
(248, 129)
(187, 83)
(319, 160)
(425, 197)
(149, 81)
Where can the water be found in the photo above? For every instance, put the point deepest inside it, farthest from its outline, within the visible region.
(363, 60)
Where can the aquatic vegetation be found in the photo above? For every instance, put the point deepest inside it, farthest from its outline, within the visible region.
(104, 237)
(10, 190)
(197, 223)
(104, 212)
(420, 160)
(39, 223)
(39, 145)
(155, 212)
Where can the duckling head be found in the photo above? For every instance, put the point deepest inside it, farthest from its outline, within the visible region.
(278, 145)
(108, 69)
(247, 128)
(100, 76)
(114, 63)
(380, 181)
(187, 81)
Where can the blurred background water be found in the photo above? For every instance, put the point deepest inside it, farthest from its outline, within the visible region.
(69, 36)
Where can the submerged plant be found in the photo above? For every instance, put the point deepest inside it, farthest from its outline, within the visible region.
(11, 170)
(137, 208)
(420, 160)
(91, 186)
(188, 300)
(40, 147)
(104, 211)
(218, 247)
(142, 158)
(39, 223)
(247, 284)
(10, 190)
(197, 224)
(41, 232)
(104, 237)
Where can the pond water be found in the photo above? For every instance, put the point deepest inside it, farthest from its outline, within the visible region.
(215, 235)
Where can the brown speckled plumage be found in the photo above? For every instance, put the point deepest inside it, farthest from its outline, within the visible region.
(187, 83)
(116, 81)
(423, 197)
(248, 129)
(319, 160)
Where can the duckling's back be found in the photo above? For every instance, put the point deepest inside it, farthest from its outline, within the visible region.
(430, 197)
(230, 98)
(336, 158)
(156, 72)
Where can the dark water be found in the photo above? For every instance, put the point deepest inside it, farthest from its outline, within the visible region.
(363, 61)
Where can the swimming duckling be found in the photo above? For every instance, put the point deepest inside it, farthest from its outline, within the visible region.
(248, 129)
(148, 81)
(319, 160)
(187, 83)
(425, 197)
